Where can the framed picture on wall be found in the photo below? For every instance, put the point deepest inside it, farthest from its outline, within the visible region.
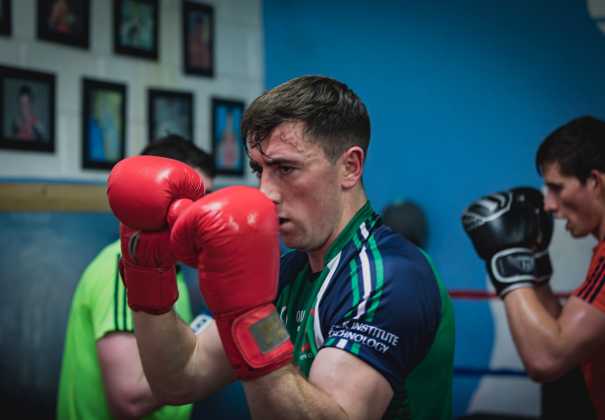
(5, 17)
(27, 110)
(169, 112)
(103, 123)
(64, 21)
(198, 38)
(227, 142)
(136, 28)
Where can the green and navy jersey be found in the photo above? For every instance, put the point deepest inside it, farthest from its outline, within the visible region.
(379, 298)
(99, 307)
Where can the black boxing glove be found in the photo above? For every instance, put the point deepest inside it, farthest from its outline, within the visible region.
(543, 265)
(505, 231)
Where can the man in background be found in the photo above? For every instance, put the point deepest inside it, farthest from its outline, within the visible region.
(512, 231)
(102, 375)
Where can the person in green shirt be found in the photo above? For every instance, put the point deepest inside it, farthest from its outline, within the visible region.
(101, 374)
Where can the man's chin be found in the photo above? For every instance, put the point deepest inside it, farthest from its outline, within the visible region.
(576, 234)
(289, 241)
(292, 243)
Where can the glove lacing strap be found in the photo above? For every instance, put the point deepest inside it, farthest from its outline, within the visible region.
(513, 268)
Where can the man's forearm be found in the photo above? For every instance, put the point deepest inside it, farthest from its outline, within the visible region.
(285, 394)
(548, 299)
(180, 366)
(536, 332)
(167, 346)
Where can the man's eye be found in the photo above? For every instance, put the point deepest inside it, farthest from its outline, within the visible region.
(285, 170)
(257, 171)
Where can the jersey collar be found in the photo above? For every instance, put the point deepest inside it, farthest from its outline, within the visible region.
(362, 215)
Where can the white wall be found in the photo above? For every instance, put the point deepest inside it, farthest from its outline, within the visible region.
(239, 75)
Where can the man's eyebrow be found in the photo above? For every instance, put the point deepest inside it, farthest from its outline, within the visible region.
(280, 161)
(553, 184)
(274, 161)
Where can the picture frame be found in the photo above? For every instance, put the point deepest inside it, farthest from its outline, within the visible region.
(228, 150)
(6, 19)
(27, 109)
(103, 123)
(136, 28)
(64, 22)
(198, 39)
(169, 112)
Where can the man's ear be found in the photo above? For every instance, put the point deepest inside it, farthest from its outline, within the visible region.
(597, 181)
(352, 166)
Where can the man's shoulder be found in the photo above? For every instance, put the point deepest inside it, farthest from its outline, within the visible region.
(386, 237)
(396, 253)
(396, 268)
(103, 266)
(108, 255)
(591, 290)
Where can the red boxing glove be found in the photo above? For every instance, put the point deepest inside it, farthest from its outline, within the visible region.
(142, 190)
(147, 193)
(232, 237)
(148, 270)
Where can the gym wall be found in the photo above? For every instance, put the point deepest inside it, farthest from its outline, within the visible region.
(238, 75)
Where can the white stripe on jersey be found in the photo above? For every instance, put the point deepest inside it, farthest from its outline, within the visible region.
(332, 265)
(342, 343)
(366, 275)
(364, 230)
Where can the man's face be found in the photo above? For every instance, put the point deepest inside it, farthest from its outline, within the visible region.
(305, 186)
(567, 198)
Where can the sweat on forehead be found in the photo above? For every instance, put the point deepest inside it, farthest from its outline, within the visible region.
(292, 133)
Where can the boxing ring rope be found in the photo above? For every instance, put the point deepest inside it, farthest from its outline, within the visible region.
(486, 295)
(473, 294)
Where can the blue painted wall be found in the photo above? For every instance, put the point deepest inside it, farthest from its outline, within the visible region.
(41, 261)
(42, 257)
(460, 95)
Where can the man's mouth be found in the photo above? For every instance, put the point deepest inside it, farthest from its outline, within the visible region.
(282, 220)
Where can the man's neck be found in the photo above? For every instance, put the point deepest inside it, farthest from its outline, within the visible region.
(351, 206)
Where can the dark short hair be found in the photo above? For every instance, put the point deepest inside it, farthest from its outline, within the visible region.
(334, 116)
(176, 147)
(578, 147)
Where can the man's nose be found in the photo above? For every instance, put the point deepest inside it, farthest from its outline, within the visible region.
(269, 188)
(550, 203)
